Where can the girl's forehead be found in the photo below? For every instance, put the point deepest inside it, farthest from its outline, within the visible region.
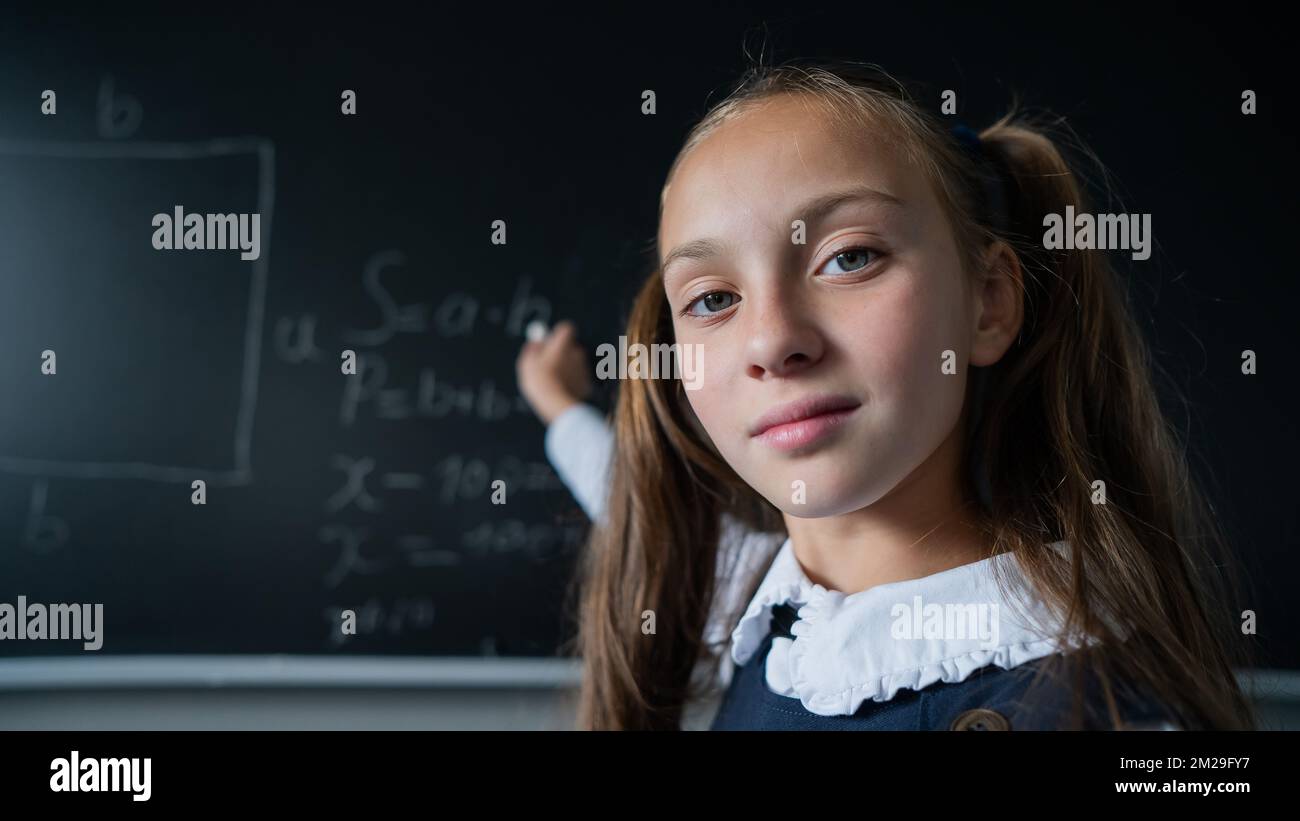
(772, 158)
(789, 140)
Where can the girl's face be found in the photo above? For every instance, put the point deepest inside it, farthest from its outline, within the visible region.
(858, 316)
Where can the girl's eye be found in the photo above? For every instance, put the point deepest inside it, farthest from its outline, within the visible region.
(715, 301)
(851, 260)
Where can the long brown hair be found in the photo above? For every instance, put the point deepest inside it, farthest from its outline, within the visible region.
(1072, 402)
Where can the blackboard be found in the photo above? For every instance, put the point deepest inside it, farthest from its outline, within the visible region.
(325, 491)
(376, 237)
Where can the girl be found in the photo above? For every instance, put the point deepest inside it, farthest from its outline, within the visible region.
(923, 480)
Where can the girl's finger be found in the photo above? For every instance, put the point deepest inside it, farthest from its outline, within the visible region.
(561, 336)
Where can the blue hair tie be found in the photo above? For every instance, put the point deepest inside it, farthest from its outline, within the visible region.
(992, 181)
(968, 137)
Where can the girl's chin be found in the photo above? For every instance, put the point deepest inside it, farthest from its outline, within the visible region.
(801, 501)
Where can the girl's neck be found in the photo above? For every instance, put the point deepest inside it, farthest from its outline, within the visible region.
(858, 553)
(923, 526)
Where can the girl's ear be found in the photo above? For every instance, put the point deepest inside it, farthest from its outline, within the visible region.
(999, 304)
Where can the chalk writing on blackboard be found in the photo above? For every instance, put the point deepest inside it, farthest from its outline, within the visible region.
(378, 617)
(117, 115)
(123, 162)
(429, 398)
(42, 532)
(294, 340)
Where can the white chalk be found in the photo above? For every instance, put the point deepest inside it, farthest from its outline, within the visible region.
(536, 331)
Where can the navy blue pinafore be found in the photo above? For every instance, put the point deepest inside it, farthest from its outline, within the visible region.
(991, 698)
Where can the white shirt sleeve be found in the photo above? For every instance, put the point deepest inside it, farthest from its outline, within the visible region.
(580, 446)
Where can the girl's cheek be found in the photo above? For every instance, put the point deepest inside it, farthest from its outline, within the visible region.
(898, 338)
(723, 400)
(932, 357)
(708, 400)
(880, 333)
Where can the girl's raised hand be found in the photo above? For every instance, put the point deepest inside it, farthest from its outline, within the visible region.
(552, 372)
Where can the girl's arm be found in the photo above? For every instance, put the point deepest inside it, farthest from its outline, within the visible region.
(554, 379)
(579, 445)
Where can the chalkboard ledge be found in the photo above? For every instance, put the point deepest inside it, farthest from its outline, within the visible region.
(127, 671)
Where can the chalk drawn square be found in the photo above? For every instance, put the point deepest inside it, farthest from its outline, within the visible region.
(158, 351)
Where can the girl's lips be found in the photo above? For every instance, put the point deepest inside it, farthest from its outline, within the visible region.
(804, 432)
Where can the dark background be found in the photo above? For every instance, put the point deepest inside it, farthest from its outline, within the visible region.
(532, 117)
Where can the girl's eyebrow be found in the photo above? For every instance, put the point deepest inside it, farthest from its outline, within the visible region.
(811, 212)
(695, 249)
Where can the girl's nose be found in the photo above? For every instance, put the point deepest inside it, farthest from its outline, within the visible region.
(783, 339)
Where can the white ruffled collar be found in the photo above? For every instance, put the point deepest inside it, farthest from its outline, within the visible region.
(903, 635)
